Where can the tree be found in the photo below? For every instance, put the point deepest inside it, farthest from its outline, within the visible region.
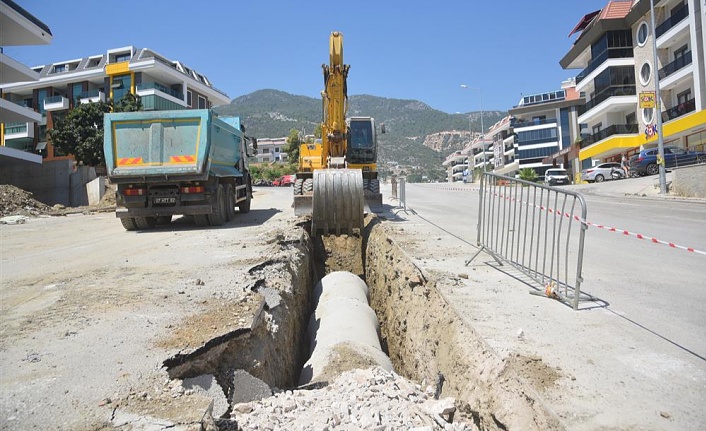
(80, 132)
(528, 174)
(292, 147)
(129, 103)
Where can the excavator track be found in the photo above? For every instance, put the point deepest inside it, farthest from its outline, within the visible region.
(338, 202)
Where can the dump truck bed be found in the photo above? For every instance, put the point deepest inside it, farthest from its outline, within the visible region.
(180, 144)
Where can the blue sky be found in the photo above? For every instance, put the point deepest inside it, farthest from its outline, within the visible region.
(396, 49)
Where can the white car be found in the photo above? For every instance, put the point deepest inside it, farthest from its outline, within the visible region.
(555, 177)
(601, 172)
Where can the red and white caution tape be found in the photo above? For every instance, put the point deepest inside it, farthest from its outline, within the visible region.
(608, 228)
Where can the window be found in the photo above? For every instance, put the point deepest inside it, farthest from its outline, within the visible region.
(645, 73)
(631, 118)
(122, 57)
(642, 33)
(597, 128)
(120, 85)
(188, 99)
(684, 97)
(202, 102)
(60, 68)
(648, 115)
(77, 89)
(276, 149)
(679, 53)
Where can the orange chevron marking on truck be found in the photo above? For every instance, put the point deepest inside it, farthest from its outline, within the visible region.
(182, 159)
(130, 161)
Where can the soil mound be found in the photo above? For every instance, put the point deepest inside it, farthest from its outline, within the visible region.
(15, 201)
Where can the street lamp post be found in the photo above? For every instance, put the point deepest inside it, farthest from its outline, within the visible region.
(658, 106)
(482, 128)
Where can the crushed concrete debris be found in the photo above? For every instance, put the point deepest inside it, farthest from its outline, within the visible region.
(370, 399)
(17, 202)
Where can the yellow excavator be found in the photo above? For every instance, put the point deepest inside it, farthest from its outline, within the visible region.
(337, 178)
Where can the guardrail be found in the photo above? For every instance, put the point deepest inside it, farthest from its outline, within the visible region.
(536, 229)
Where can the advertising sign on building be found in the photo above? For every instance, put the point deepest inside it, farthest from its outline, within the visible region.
(648, 99)
(498, 150)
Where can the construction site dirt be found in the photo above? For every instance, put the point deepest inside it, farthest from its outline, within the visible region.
(106, 329)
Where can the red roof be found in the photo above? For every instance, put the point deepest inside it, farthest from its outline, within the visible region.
(616, 10)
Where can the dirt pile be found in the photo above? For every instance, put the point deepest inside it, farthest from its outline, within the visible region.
(15, 201)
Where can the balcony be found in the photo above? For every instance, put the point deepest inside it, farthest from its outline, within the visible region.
(602, 58)
(673, 20)
(94, 96)
(627, 90)
(676, 65)
(517, 124)
(679, 110)
(19, 130)
(56, 103)
(160, 87)
(616, 129)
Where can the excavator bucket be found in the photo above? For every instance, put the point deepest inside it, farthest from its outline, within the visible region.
(337, 201)
(302, 205)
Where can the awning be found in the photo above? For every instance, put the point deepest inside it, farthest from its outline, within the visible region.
(571, 152)
(584, 22)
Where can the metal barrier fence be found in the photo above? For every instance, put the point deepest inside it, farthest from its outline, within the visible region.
(396, 181)
(536, 229)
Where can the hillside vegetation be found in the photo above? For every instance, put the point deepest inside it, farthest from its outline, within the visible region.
(416, 135)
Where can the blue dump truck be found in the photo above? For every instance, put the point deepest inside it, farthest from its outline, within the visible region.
(182, 162)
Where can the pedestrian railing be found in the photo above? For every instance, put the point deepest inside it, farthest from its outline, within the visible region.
(536, 229)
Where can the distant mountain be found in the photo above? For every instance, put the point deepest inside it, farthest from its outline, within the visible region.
(416, 134)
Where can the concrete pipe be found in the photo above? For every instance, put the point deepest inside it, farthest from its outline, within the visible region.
(343, 331)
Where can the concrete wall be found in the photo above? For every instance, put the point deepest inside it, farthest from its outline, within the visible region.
(689, 181)
(52, 182)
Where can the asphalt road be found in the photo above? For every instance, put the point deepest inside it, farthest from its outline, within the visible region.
(638, 353)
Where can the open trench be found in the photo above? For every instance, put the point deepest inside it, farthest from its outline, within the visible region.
(420, 332)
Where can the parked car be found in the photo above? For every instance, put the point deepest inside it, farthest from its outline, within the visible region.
(645, 162)
(555, 177)
(600, 173)
(285, 180)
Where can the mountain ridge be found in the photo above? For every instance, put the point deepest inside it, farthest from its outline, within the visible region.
(416, 134)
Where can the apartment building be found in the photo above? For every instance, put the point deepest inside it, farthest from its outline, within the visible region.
(18, 28)
(271, 150)
(504, 161)
(456, 165)
(615, 51)
(543, 129)
(160, 82)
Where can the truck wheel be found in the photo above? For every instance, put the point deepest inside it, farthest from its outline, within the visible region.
(244, 206)
(230, 202)
(217, 217)
(129, 223)
(145, 222)
(308, 186)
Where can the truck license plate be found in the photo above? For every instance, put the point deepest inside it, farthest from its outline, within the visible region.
(170, 200)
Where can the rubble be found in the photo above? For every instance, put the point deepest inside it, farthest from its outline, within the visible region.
(17, 202)
(369, 399)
